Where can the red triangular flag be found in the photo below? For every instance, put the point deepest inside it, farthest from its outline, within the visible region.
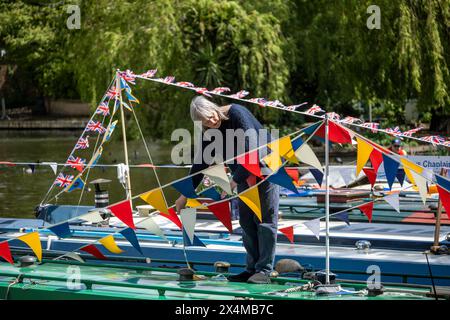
(172, 216)
(371, 175)
(288, 232)
(444, 196)
(376, 158)
(251, 180)
(92, 249)
(5, 252)
(250, 161)
(222, 211)
(367, 209)
(293, 173)
(336, 133)
(122, 211)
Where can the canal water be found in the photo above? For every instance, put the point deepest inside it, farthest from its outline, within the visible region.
(21, 191)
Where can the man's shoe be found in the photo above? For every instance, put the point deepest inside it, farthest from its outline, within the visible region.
(241, 277)
(259, 278)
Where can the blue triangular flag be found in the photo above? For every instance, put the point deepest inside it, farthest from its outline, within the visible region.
(442, 182)
(185, 187)
(32, 167)
(282, 178)
(312, 128)
(296, 143)
(390, 168)
(211, 193)
(77, 184)
(61, 230)
(318, 175)
(130, 235)
(401, 176)
(196, 243)
(343, 216)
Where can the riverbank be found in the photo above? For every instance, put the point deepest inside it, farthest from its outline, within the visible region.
(44, 123)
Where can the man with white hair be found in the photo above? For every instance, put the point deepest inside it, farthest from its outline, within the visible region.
(259, 237)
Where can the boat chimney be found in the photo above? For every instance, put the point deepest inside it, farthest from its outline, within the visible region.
(101, 196)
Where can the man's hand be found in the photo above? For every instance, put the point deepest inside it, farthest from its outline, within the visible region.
(233, 186)
(180, 203)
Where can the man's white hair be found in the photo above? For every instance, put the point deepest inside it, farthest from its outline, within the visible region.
(202, 108)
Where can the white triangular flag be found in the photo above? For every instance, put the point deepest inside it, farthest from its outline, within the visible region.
(306, 155)
(314, 226)
(219, 176)
(347, 176)
(150, 225)
(72, 255)
(421, 183)
(92, 217)
(52, 165)
(394, 201)
(188, 217)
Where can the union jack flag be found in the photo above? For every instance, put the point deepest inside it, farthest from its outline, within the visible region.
(76, 163)
(275, 103)
(95, 126)
(82, 143)
(350, 120)
(433, 139)
(168, 79)
(314, 109)
(128, 76)
(102, 109)
(394, 132)
(203, 91)
(261, 101)
(220, 90)
(409, 133)
(295, 106)
(113, 92)
(371, 125)
(239, 95)
(63, 180)
(333, 116)
(149, 73)
(185, 84)
(446, 143)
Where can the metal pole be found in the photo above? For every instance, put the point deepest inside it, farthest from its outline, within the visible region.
(327, 204)
(124, 136)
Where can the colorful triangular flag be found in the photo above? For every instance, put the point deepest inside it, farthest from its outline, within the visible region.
(130, 235)
(61, 230)
(343, 216)
(306, 155)
(222, 211)
(188, 217)
(123, 212)
(443, 182)
(371, 175)
(77, 183)
(251, 198)
(296, 143)
(314, 226)
(409, 167)
(273, 161)
(421, 184)
(110, 244)
(363, 154)
(172, 216)
(283, 147)
(92, 217)
(394, 201)
(211, 193)
(336, 133)
(185, 187)
(401, 176)
(156, 199)
(92, 249)
(288, 232)
(282, 178)
(218, 174)
(150, 225)
(376, 158)
(390, 169)
(293, 173)
(250, 161)
(318, 175)
(32, 240)
(444, 197)
(5, 252)
(72, 255)
(53, 166)
(367, 209)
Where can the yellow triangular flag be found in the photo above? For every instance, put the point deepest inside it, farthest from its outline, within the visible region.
(363, 154)
(284, 148)
(110, 244)
(273, 161)
(193, 203)
(32, 240)
(421, 183)
(156, 199)
(409, 165)
(251, 198)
